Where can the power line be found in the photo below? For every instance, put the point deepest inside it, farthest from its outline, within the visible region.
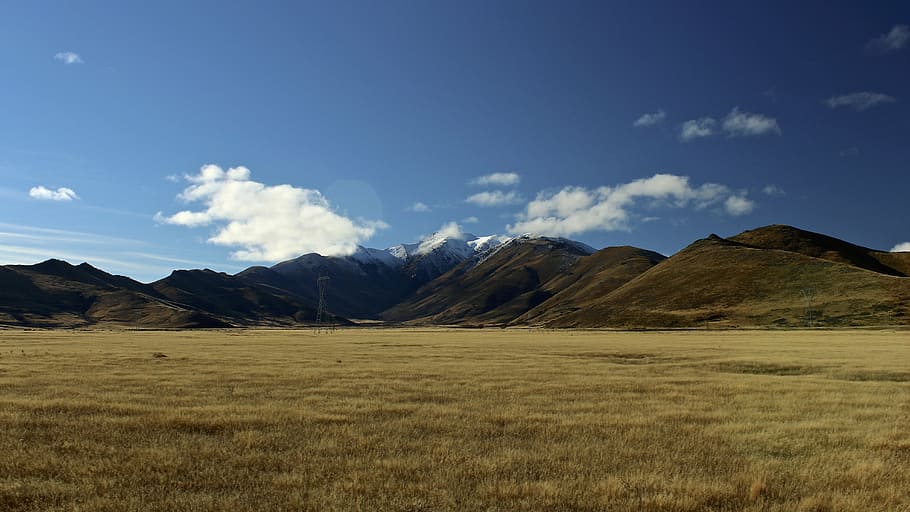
(808, 296)
(322, 284)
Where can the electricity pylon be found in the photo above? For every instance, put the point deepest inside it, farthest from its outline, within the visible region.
(322, 283)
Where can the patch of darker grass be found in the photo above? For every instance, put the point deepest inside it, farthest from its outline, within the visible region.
(759, 368)
(624, 358)
(876, 376)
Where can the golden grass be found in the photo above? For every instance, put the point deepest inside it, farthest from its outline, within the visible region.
(455, 420)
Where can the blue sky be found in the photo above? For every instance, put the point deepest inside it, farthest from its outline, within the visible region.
(143, 137)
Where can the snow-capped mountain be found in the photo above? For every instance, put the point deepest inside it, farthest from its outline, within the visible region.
(440, 251)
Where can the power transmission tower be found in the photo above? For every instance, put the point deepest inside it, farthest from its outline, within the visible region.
(322, 283)
(808, 295)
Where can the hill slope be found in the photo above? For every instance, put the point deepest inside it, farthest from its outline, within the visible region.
(595, 276)
(791, 239)
(232, 300)
(356, 289)
(497, 287)
(731, 284)
(56, 294)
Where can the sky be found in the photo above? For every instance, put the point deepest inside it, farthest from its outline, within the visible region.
(149, 136)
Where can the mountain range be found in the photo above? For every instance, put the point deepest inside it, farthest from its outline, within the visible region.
(773, 276)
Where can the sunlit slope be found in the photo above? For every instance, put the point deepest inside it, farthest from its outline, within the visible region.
(595, 276)
(721, 282)
(517, 277)
(817, 245)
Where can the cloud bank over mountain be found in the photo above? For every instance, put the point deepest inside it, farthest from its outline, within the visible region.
(267, 223)
(575, 210)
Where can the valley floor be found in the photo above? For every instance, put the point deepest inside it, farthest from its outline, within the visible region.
(409, 419)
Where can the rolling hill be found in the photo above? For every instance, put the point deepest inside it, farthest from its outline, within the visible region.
(497, 287)
(55, 293)
(234, 301)
(726, 283)
(770, 276)
(791, 239)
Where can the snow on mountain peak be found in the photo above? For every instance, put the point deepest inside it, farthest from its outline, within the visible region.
(450, 234)
(484, 243)
(368, 255)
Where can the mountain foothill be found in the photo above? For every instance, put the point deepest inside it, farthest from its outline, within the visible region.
(773, 276)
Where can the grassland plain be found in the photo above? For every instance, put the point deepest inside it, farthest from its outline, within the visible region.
(493, 420)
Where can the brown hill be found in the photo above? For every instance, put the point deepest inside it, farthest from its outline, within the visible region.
(789, 238)
(595, 276)
(56, 294)
(497, 288)
(722, 282)
(232, 300)
(355, 290)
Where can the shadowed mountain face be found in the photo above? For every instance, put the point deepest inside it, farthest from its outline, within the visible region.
(355, 289)
(368, 282)
(591, 279)
(771, 276)
(233, 300)
(495, 288)
(57, 294)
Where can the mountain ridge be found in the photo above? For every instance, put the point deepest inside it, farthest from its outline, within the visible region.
(771, 276)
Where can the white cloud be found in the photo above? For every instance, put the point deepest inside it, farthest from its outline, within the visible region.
(738, 205)
(773, 191)
(419, 207)
(46, 194)
(904, 247)
(744, 124)
(891, 41)
(470, 220)
(497, 178)
(697, 128)
(859, 101)
(494, 198)
(448, 231)
(575, 210)
(173, 178)
(269, 223)
(650, 119)
(451, 230)
(68, 58)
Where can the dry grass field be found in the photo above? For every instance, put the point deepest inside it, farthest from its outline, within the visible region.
(422, 420)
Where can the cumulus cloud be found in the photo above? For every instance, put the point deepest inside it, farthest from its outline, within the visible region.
(68, 58)
(46, 194)
(735, 124)
(494, 198)
(891, 41)
(859, 101)
(738, 205)
(575, 210)
(267, 223)
(745, 124)
(448, 231)
(904, 247)
(773, 191)
(419, 207)
(470, 220)
(497, 178)
(697, 128)
(650, 119)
